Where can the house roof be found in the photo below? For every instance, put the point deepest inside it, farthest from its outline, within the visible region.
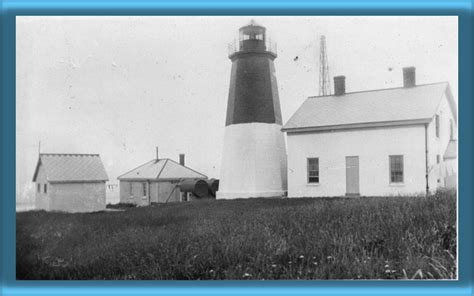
(451, 151)
(71, 167)
(394, 106)
(161, 169)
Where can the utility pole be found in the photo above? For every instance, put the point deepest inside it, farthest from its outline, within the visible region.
(324, 81)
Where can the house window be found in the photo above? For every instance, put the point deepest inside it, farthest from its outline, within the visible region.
(438, 158)
(396, 168)
(45, 188)
(130, 187)
(437, 125)
(38, 188)
(144, 189)
(313, 170)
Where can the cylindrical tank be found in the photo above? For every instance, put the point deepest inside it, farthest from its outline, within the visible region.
(213, 186)
(197, 186)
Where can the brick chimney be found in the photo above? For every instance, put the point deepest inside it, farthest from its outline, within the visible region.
(181, 159)
(409, 77)
(339, 85)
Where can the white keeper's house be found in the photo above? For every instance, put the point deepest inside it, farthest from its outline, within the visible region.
(395, 141)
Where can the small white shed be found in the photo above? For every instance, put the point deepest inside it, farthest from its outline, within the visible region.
(70, 182)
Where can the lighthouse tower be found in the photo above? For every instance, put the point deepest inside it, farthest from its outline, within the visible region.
(254, 156)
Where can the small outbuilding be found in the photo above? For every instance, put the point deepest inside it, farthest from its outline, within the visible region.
(449, 165)
(70, 182)
(161, 181)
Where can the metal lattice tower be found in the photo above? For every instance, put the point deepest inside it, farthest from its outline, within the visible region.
(324, 81)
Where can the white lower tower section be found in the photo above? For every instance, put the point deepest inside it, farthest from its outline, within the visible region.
(253, 161)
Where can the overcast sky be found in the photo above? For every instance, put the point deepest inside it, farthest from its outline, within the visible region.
(119, 86)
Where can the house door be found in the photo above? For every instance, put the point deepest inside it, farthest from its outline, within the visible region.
(352, 176)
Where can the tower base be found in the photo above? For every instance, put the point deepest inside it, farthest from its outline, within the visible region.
(253, 162)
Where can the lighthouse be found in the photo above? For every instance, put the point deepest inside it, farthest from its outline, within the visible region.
(254, 154)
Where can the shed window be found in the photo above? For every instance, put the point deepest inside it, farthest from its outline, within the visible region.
(130, 187)
(38, 188)
(45, 188)
(437, 125)
(313, 170)
(396, 168)
(144, 189)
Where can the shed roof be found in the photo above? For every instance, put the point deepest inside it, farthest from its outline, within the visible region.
(451, 151)
(71, 167)
(161, 169)
(385, 106)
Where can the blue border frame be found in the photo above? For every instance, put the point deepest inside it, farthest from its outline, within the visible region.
(461, 8)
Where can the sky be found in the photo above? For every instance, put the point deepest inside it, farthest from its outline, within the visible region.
(120, 86)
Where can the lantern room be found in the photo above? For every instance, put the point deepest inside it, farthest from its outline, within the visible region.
(252, 38)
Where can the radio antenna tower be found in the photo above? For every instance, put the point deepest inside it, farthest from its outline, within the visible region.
(324, 81)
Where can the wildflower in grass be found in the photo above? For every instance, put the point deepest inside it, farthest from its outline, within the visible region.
(246, 275)
(150, 255)
(289, 262)
(387, 266)
(211, 271)
(301, 257)
(274, 265)
(387, 271)
(315, 263)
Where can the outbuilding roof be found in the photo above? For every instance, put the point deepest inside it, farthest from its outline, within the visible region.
(161, 169)
(451, 150)
(394, 106)
(71, 167)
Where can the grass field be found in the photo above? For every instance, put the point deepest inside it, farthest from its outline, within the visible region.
(363, 238)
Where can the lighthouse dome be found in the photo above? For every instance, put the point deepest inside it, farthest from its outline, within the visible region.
(252, 31)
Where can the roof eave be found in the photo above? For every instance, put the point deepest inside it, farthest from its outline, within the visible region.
(158, 180)
(449, 157)
(451, 102)
(38, 163)
(136, 179)
(77, 181)
(356, 125)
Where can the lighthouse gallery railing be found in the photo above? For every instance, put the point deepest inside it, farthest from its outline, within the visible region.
(237, 46)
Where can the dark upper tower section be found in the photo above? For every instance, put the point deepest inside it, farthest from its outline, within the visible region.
(253, 91)
(252, 39)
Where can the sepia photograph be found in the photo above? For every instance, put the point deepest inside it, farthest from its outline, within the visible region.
(237, 148)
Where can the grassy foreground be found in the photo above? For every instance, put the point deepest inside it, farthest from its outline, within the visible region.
(366, 238)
